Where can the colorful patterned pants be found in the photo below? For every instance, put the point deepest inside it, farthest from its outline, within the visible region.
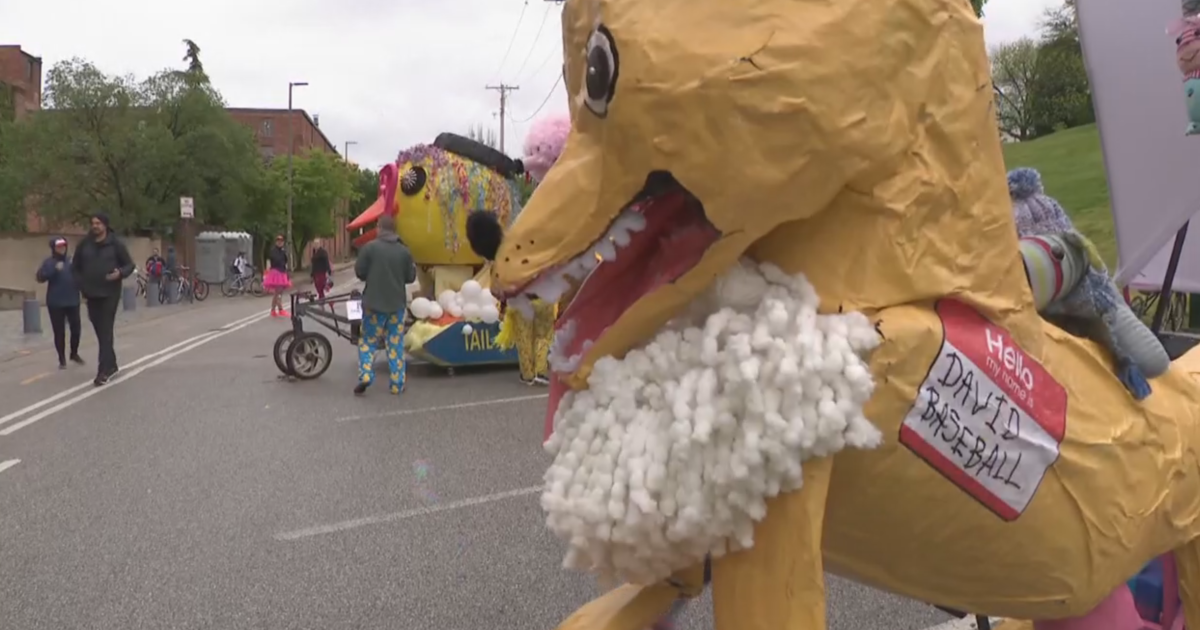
(533, 339)
(375, 325)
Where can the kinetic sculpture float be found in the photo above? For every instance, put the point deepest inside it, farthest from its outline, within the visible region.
(438, 185)
(803, 341)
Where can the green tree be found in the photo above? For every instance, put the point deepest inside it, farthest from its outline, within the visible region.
(366, 187)
(483, 135)
(132, 148)
(322, 186)
(1060, 96)
(1014, 75)
(978, 6)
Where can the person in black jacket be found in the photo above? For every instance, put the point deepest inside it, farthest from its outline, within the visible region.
(321, 270)
(62, 300)
(101, 262)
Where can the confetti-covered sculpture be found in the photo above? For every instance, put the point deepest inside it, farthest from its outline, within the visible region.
(431, 189)
(804, 341)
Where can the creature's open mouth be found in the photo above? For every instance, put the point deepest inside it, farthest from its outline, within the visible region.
(659, 236)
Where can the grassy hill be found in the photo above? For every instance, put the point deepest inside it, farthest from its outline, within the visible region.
(1072, 169)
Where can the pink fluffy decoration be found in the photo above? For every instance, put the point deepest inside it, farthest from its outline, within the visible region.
(545, 143)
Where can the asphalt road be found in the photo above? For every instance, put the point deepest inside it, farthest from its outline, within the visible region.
(199, 490)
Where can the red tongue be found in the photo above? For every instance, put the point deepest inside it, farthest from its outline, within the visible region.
(557, 390)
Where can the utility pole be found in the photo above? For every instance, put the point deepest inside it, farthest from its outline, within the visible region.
(291, 150)
(346, 152)
(503, 89)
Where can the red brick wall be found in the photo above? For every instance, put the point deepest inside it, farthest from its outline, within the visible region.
(270, 127)
(23, 72)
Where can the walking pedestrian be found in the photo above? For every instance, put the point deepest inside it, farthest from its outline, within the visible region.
(385, 266)
(100, 264)
(62, 300)
(321, 270)
(277, 281)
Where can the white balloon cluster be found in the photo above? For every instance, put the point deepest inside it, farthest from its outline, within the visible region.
(472, 303)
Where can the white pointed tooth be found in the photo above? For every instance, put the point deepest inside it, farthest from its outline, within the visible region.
(588, 261)
(635, 221)
(607, 251)
(563, 338)
(522, 304)
(550, 288)
(575, 270)
(619, 237)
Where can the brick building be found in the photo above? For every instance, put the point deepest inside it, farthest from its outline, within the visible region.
(20, 82)
(270, 128)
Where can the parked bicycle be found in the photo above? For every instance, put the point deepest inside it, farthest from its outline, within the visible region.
(189, 286)
(237, 284)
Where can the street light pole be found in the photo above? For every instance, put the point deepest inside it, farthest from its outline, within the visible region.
(291, 150)
(347, 149)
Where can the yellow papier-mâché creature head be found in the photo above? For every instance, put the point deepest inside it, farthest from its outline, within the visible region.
(432, 188)
(851, 132)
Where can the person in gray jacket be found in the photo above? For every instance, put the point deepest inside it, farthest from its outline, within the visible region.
(386, 266)
(62, 300)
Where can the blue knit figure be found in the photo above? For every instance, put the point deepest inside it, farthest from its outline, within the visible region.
(1096, 301)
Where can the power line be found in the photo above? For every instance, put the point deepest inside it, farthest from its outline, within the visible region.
(553, 53)
(543, 105)
(536, 38)
(513, 39)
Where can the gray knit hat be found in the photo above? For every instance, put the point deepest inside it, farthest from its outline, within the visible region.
(1034, 211)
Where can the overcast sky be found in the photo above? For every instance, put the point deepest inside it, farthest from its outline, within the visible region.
(384, 73)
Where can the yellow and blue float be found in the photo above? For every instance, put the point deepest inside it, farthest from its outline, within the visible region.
(431, 189)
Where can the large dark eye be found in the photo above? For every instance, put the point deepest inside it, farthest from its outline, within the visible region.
(412, 181)
(601, 75)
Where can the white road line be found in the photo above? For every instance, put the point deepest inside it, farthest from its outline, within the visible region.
(9, 464)
(162, 357)
(67, 392)
(405, 515)
(478, 403)
(966, 623)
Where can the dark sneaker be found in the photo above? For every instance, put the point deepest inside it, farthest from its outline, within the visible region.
(75, 358)
(541, 380)
(101, 379)
(527, 381)
(62, 365)
(361, 388)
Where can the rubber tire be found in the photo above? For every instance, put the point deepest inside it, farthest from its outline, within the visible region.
(293, 352)
(279, 351)
(227, 289)
(256, 287)
(201, 288)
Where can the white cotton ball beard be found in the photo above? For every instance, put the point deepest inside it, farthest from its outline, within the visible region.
(672, 452)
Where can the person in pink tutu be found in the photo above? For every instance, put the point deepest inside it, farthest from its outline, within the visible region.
(277, 281)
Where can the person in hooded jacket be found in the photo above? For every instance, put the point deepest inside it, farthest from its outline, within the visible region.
(62, 300)
(100, 265)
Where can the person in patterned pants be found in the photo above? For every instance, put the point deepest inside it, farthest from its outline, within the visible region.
(391, 327)
(386, 267)
(533, 339)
